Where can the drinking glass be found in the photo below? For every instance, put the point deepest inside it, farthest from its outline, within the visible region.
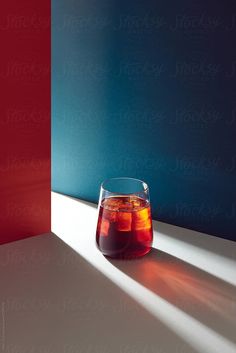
(124, 228)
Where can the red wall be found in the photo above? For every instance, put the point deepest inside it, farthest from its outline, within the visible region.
(24, 119)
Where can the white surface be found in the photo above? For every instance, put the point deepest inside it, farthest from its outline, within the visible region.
(54, 299)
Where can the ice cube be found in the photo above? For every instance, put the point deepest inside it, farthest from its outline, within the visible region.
(112, 204)
(135, 202)
(142, 219)
(109, 215)
(144, 236)
(124, 220)
(104, 227)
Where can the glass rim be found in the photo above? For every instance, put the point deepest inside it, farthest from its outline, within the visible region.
(145, 186)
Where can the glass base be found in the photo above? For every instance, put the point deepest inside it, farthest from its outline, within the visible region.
(128, 255)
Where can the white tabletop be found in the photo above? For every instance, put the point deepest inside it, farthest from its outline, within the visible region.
(57, 298)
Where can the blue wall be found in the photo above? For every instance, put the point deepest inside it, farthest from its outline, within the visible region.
(146, 89)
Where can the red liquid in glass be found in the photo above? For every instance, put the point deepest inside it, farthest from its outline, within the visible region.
(124, 227)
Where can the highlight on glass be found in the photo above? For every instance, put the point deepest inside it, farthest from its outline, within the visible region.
(124, 228)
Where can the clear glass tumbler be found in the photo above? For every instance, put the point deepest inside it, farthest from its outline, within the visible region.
(124, 228)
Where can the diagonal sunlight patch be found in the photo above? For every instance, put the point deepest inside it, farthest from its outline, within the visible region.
(83, 217)
(75, 223)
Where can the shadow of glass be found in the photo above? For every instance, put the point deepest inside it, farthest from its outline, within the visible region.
(206, 298)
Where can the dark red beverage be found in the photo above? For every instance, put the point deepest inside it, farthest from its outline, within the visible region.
(124, 227)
